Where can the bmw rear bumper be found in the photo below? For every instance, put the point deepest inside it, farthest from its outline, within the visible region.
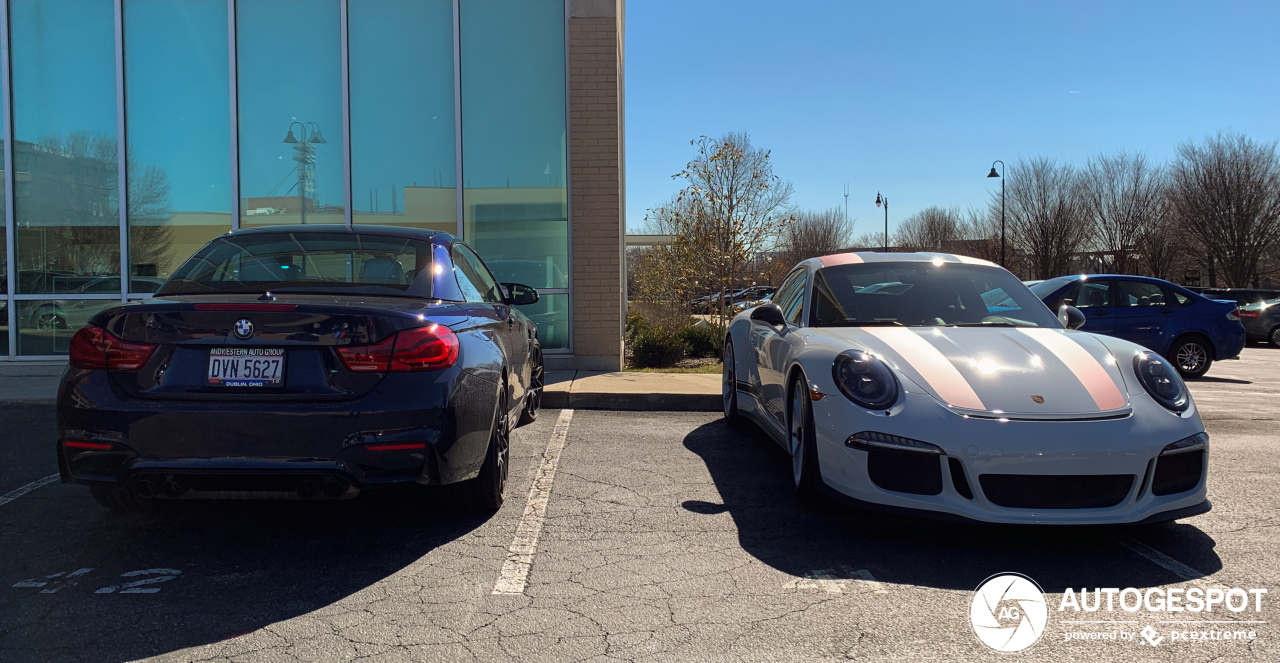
(413, 428)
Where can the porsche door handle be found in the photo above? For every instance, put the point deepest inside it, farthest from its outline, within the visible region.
(511, 323)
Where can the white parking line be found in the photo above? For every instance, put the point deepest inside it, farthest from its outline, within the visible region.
(515, 571)
(19, 492)
(1181, 570)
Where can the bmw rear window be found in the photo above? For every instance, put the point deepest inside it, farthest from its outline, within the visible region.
(312, 262)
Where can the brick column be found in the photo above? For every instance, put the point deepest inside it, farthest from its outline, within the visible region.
(598, 185)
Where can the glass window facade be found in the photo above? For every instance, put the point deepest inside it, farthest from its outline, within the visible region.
(178, 125)
(514, 162)
(221, 114)
(403, 143)
(289, 75)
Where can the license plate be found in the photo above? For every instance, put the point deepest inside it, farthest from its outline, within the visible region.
(246, 367)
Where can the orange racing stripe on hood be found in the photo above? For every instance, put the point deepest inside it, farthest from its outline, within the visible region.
(1082, 363)
(841, 259)
(938, 371)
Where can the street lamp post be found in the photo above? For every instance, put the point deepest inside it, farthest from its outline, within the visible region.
(885, 201)
(304, 153)
(993, 173)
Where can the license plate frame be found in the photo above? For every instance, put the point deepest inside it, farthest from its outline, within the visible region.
(244, 367)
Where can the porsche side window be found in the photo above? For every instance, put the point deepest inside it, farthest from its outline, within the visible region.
(790, 296)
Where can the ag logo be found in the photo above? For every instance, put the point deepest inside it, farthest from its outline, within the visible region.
(243, 328)
(1008, 612)
(1038, 399)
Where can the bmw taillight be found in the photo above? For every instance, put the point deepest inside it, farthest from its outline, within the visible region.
(98, 349)
(420, 349)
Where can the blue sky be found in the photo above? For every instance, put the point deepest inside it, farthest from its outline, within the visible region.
(915, 100)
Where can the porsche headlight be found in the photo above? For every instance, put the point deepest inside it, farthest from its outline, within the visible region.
(865, 380)
(1161, 380)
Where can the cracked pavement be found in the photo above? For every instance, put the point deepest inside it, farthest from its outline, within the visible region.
(668, 536)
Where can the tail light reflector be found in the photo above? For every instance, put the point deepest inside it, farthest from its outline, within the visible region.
(81, 444)
(1247, 314)
(421, 349)
(1234, 314)
(96, 348)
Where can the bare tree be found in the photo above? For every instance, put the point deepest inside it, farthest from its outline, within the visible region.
(1161, 245)
(931, 229)
(1122, 196)
(1044, 216)
(812, 233)
(1225, 194)
(872, 241)
(980, 230)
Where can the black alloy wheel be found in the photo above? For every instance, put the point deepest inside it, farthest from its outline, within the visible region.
(485, 493)
(533, 397)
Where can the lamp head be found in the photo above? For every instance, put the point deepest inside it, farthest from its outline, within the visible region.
(993, 172)
(290, 138)
(318, 137)
(877, 199)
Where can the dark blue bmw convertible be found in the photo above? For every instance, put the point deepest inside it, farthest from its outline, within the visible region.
(304, 361)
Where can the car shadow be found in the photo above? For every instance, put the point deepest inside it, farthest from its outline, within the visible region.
(216, 569)
(1210, 378)
(753, 476)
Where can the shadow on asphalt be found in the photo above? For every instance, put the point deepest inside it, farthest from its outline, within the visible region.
(1210, 378)
(753, 476)
(244, 565)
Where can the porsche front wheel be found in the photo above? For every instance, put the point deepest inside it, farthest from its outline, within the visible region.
(800, 438)
(729, 385)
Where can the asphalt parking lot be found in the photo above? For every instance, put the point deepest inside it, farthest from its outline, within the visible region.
(665, 536)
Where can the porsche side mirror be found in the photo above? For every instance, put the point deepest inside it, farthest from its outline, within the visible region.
(770, 314)
(1071, 317)
(519, 294)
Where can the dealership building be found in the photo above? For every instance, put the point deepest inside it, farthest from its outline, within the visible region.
(137, 130)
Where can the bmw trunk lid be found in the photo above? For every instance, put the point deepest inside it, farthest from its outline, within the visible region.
(188, 331)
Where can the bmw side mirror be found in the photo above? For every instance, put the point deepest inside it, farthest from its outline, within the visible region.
(1071, 317)
(770, 314)
(519, 294)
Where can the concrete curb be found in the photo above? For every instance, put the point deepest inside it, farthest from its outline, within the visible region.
(632, 402)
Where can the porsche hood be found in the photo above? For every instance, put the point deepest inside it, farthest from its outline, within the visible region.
(1019, 373)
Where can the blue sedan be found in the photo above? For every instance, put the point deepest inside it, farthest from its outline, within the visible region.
(1190, 329)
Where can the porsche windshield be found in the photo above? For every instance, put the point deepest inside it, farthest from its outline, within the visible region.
(314, 262)
(924, 294)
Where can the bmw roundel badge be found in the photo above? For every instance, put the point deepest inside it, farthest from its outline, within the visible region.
(243, 328)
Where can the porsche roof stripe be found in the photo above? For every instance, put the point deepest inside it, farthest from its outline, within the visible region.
(840, 259)
(943, 377)
(1083, 364)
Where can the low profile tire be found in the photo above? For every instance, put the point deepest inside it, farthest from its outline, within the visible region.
(801, 443)
(533, 397)
(1191, 356)
(1274, 338)
(485, 493)
(121, 499)
(729, 385)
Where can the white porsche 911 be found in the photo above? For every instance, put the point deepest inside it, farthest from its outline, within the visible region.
(940, 385)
